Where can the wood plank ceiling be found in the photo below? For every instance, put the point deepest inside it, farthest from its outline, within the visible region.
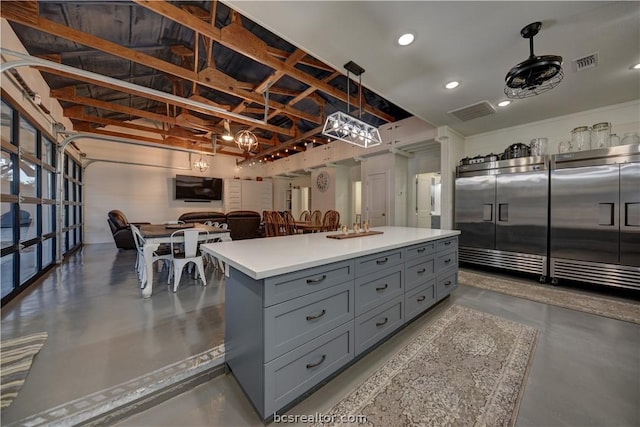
(203, 51)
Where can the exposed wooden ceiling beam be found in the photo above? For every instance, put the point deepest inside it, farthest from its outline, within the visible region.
(307, 60)
(12, 11)
(236, 37)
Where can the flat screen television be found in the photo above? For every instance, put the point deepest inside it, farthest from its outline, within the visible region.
(198, 188)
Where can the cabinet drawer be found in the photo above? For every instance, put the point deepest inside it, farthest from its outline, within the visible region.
(292, 285)
(418, 271)
(292, 323)
(376, 262)
(419, 299)
(374, 325)
(290, 375)
(419, 251)
(445, 284)
(374, 289)
(447, 244)
(446, 261)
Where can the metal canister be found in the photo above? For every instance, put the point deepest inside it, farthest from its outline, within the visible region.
(581, 138)
(601, 135)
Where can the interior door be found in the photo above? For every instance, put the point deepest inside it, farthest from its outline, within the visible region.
(521, 212)
(630, 214)
(475, 211)
(584, 213)
(377, 199)
(423, 200)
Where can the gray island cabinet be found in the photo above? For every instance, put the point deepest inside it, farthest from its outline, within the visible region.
(300, 308)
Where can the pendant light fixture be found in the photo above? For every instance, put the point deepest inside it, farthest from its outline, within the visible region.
(344, 127)
(226, 135)
(246, 140)
(201, 164)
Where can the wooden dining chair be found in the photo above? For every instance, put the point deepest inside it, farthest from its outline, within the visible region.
(331, 220)
(316, 218)
(187, 252)
(305, 215)
(290, 223)
(274, 224)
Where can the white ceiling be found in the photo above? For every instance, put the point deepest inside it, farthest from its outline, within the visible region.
(473, 42)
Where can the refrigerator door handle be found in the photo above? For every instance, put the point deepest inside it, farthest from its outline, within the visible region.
(606, 214)
(631, 214)
(487, 212)
(503, 212)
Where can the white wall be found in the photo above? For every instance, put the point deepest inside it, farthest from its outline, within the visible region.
(623, 118)
(142, 193)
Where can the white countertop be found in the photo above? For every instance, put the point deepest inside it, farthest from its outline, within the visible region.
(272, 256)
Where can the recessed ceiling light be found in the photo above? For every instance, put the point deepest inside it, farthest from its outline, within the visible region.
(636, 67)
(452, 85)
(503, 103)
(406, 39)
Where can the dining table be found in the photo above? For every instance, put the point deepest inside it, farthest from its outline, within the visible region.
(308, 226)
(156, 234)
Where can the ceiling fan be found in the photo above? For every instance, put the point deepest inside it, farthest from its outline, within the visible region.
(535, 75)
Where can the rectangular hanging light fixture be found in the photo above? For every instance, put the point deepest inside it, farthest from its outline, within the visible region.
(345, 127)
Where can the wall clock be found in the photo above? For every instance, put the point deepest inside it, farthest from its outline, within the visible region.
(322, 181)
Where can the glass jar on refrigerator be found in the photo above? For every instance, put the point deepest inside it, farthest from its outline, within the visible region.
(601, 135)
(538, 146)
(581, 138)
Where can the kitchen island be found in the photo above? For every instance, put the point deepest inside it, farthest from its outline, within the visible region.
(300, 308)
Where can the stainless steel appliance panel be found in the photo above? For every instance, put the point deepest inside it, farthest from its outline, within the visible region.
(585, 213)
(630, 214)
(521, 212)
(475, 211)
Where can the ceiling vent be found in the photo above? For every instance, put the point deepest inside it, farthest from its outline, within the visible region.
(586, 62)
(473, 111)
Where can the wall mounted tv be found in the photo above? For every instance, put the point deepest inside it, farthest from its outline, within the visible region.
(198, 188)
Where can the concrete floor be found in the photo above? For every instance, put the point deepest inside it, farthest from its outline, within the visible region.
(101, 332)
(585, 371)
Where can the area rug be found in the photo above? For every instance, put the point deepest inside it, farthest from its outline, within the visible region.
(16, 356)
(467, 369)
(574, 300)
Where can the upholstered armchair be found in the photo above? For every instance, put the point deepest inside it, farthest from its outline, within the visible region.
(121, 230)
(244, 224)
(203, 217)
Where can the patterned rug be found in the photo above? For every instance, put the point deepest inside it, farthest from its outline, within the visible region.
(16, 355)
(574, 300)
(467, 369)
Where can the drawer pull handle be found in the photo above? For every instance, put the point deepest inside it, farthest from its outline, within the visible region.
(422, 270)
(313, 365)
(447, 261)
(322, 313)
(384, 322)
(318, 279)
(386, 285)
(422, 298)
(447, 243)
(421, 250)
(382, 261)
(447, 283)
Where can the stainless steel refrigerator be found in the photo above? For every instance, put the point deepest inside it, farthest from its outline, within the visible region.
(595, 216)
(501, 208)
